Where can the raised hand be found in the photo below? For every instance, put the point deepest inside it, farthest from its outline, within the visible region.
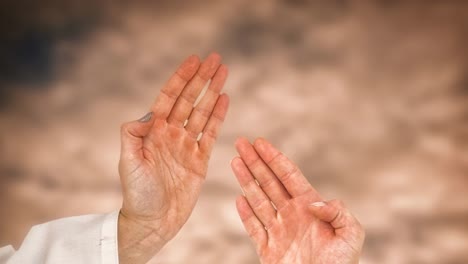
(164, 157)
(285, 216)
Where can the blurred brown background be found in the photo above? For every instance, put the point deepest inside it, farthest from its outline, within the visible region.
(370, 98)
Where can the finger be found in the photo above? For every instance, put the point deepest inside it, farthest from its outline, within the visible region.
(262, 173)
(133, 132)
(286, 171)
(257, 199)
(171, 91)
(252, 225)
(339, 217)
(184, 104)
(212, 128)
(202, 112)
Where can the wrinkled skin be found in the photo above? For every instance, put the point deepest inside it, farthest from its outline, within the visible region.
(164, 162)
(285, 216)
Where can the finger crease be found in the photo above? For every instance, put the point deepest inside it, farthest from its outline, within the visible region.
(202, 77)
(254, 231)
(252, 165)
(274, 158)
(192, 134)
(337, 218)
(204, 112)
(287, 176)
(259, 203)
(181, 76)
(217, 117)
(267, 182)
(210, 133)
(172, 96)
(188, 98)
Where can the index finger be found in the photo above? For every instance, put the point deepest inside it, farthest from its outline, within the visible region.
(170, 92)
(287, 172)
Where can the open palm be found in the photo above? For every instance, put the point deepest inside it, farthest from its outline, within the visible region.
(164, 155)
(285, 216)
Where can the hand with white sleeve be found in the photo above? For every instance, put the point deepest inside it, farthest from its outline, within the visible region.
(164, 158)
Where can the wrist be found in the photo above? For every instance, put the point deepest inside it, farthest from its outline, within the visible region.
(139, 240)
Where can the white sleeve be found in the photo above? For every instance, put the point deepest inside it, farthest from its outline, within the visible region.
(81, 239)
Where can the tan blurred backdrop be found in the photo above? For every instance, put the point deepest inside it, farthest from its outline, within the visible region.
(370, 98)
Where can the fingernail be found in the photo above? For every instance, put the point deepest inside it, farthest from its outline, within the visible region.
(319, 204)
(146, 118)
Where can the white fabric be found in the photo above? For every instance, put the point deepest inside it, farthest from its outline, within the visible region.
(81, 239)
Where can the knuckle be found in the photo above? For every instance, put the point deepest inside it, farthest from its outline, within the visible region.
(258, 203)
(176, 120)
(253, 165)
(276, 158)
(268, 225)
(267, 183)
(288, 175)
(338, 220)
(203, 112)
(124, 128)
(254, 232)
(283, 208)
(218, 117)
(192, 133)
(203, 75)
(188, 97)
(183, 75)
(169, 94)
(210, 133)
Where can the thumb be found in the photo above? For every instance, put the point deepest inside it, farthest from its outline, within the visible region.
(338, 216)
(133, 132)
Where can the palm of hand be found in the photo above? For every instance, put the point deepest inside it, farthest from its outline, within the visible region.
(282, 213)
(166, 177)
(164, 159)
(299, 237)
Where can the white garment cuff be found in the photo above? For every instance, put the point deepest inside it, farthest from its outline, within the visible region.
(109, 239)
